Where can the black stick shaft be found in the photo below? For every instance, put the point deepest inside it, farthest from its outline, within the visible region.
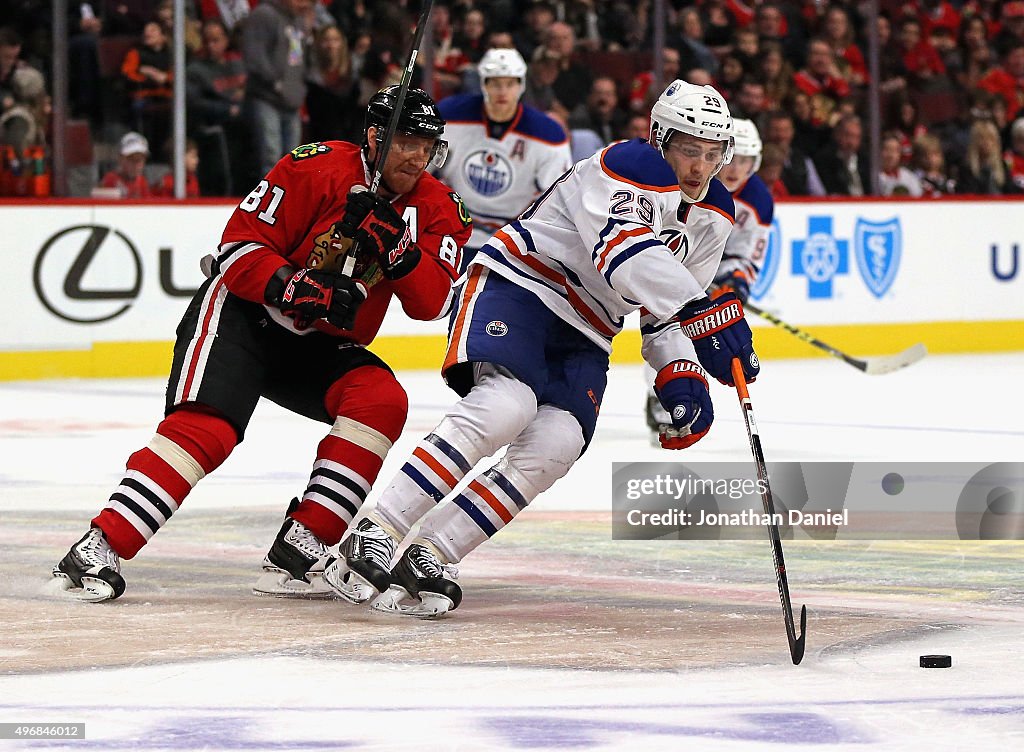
(796, 641)
(349, 264)
(403, 89)
(804, 336)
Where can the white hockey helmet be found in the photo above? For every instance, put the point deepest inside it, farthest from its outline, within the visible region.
(748, 141)
(502, 63)
(696, 110)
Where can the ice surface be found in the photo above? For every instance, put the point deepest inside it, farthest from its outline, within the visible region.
(566, 639)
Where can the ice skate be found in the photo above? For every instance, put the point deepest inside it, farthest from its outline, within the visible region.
(362, 569)
(421, 586)
(294, 566)
(91, 571)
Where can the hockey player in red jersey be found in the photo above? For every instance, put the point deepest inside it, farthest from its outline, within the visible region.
(277, 319)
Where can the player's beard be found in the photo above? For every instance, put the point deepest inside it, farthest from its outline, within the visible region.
(401, 179)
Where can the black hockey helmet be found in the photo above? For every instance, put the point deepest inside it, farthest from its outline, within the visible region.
(419, 116)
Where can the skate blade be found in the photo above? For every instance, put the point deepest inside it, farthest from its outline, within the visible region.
(397, 601)
(347, 584)
(93, 590)
(274, 583)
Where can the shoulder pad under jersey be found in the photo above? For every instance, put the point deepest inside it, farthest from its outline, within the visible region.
(638, 163)
(756, 194)
(719, 199)
(536, 124)
(462, 108)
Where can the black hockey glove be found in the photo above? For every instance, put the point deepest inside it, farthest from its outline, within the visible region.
(720, 333)
(309, 295)
(374, 224)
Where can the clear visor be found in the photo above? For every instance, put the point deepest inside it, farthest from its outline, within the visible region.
(718, 157)
(438, 151)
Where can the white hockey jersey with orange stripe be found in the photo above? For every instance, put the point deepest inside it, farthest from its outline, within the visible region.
(611, 236)
(748, 241)
(499, 177)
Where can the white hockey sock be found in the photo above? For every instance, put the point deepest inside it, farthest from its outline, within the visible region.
(489, 417)
(539, 456)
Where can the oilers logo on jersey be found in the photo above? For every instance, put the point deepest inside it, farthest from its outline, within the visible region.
(497, 328)
(676, 241)
(488, 172)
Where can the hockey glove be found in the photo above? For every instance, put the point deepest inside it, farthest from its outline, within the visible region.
(736, 280)
(309, 295)
(373, 223)
(682, 389)
(720, 333)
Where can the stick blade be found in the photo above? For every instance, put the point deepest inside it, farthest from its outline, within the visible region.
(890, 363)
(796, 648)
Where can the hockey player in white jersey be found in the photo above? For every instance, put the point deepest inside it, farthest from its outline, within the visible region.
(748, 241)
(501, 152)
(637, 226)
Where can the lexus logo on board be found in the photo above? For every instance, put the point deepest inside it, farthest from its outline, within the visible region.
(87, 274)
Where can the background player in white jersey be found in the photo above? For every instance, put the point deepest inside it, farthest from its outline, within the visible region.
(637, 226)
(501, 152)
(748, 241)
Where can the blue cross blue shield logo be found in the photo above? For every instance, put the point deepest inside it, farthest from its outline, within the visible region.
(878, 247)
(769, 264)
(820, 257)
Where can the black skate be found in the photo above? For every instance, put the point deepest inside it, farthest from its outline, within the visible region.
(91, 571)
(294, 566)
(422, 586)
(361, 571)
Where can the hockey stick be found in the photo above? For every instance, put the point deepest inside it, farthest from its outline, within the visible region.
(872, 366)
(796, 644)
(389, 135)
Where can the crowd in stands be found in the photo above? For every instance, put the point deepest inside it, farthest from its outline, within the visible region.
(266, 75)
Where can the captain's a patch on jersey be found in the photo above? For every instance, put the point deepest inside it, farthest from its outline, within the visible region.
(464, 215)
(306, 151)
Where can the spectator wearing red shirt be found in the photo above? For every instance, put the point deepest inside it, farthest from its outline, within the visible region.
(838, 32)
(1011, 26)
(449, 60)
(640, 95)
(1007, 80)
(937, 13)
(128, 179)
(921, 60)
(228, 12)
(165, 188)
(821, 76)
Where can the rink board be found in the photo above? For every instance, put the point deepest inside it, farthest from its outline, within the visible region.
(98, 287)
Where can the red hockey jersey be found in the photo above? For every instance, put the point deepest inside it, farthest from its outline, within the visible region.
(287, 219)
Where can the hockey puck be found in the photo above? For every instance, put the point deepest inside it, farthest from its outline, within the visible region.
(936, 661)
